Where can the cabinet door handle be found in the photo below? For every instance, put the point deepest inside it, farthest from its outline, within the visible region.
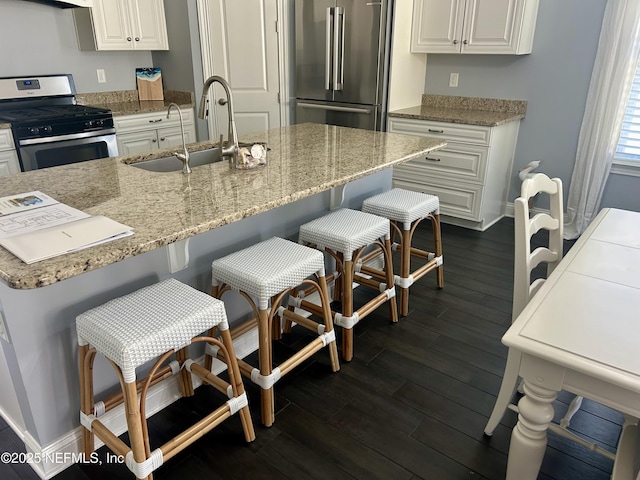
(465, 42)
(432, 159)
(155, 121)
(455, 42)
(137, 39)
(153, 140)
(162, 139)
(128, 39)
(434, 130)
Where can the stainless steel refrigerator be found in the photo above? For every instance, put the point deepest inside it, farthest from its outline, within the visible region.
(342, 62)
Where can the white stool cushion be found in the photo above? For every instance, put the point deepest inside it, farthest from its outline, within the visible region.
(402, 205)
(267, 268)
(344, 231)
(138, 327)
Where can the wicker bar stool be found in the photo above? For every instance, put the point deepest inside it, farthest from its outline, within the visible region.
(267, 272)
(406, 209)
(344, 234)
(153, 322)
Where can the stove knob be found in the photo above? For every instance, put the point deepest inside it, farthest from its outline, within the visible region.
(88, 123)
(99, 123)
(34, 130)
(47, 129)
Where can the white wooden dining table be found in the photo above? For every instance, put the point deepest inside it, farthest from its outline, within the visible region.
(580, 333)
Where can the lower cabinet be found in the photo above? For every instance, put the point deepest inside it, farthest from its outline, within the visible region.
(471, 175)
(8, 157)
(149, 131)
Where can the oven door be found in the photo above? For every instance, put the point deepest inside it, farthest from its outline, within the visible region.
(46, 152)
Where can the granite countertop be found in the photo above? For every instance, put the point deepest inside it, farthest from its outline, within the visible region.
(487, 112)
(126, 102)
(163, 208)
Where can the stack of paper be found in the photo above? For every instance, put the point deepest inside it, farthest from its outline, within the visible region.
(34, 227)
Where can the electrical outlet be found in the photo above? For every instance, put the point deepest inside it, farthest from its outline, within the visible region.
(453, 79)
(102, 77)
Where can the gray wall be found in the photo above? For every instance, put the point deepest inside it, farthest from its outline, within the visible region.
(554, 79)
(39, 39)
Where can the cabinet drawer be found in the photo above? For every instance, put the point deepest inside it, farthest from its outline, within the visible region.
(456, 200)
(456, 161)
(453, 132)
(6, 139)
(148, 121)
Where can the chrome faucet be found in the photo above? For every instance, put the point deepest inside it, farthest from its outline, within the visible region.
(184, 156)
(231, 151)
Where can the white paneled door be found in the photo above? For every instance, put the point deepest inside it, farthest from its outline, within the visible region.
(240, 43)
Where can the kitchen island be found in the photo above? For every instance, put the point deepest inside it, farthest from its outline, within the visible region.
(181, 223)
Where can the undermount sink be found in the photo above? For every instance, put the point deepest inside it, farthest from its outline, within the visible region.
(173, 164)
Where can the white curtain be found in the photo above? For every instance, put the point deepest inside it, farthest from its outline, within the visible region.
(611, 80)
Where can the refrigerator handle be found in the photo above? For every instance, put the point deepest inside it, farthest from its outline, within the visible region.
(337, 30)
(342, 30)
(334, 108)
(327, 55)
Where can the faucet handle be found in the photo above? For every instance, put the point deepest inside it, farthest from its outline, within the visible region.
(221, 140)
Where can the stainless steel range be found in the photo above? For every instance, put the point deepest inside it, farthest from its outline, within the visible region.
(49, 128)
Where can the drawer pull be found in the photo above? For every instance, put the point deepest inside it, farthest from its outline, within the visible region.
(431, 159)
(155, 121)
(433, 130)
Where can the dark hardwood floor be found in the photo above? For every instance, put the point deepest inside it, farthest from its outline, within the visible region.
(412, 404)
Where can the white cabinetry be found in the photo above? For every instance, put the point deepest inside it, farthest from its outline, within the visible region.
(473, 26)
(471, 175)
(122, 25)
(8, 157)
(149, 131)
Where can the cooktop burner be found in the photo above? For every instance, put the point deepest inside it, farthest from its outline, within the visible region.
(57, 112)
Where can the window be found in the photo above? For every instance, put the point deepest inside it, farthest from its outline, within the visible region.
(627, 157)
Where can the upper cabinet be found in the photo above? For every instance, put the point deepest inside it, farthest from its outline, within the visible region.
(122, 25)
(473, 26)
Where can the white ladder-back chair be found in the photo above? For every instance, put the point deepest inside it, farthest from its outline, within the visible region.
(525, 262)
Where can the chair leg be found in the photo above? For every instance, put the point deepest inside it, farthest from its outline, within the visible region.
(264, 360)
(574, 406)
(507, 389)
(437, 238)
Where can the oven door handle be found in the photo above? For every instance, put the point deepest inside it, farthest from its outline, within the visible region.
(71, 136)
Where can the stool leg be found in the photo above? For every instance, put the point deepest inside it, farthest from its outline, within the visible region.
(347, 309)
(264, 360)
(236, 379)
(208, 359)
(276, 324)
(86, 395)
(338, 283)
(134, 422)
(287, 323)
(186, 383)
(405, 270)
(388, 266)
(437, 237)
(328, 322)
